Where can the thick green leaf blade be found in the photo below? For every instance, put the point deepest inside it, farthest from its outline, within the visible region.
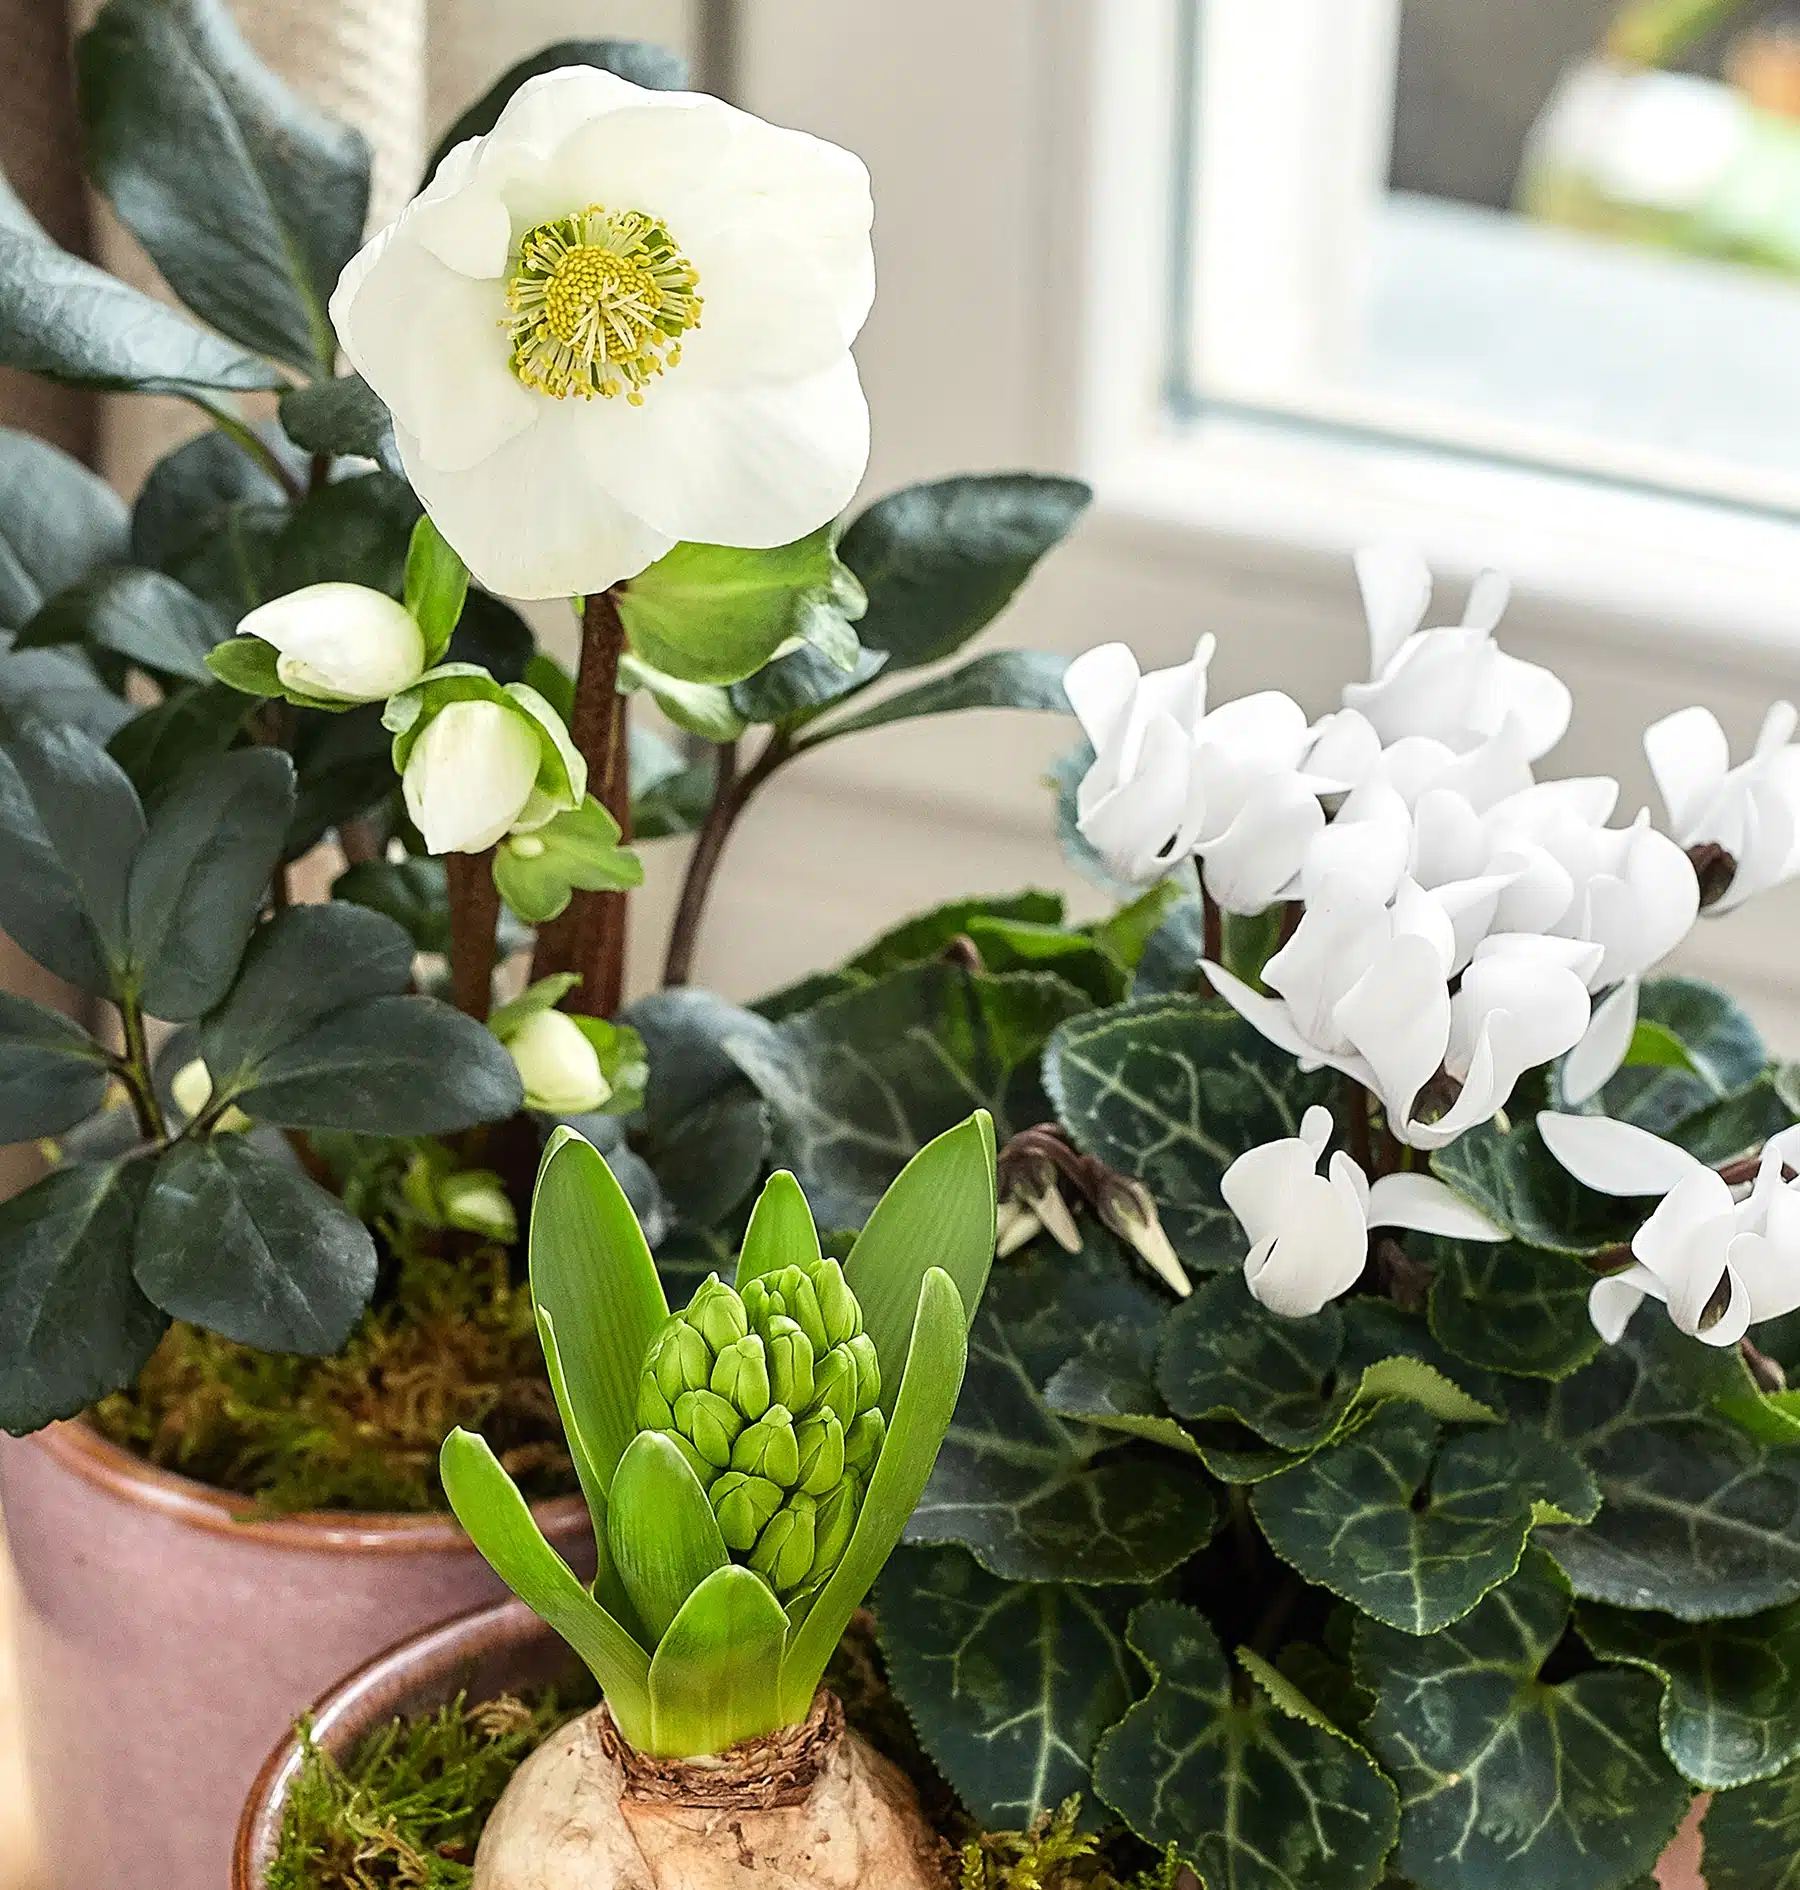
(52, 1073)
(201, 875)
(243, 1243)
(192, 725)
(143, 616)
(1254, 1791)
(661, 1531)
(780, 1234)
(1510, 1308)
(1731, 1689)
(997, 679)
(1752, 1837)
(716, 1676)
(653, 67)
(58, 522)
(591, 1271)
(74, 1324)
(929, 1385)
(939, 1213)
(353, 531)
(250, 200)
(941, 560)
(500, 1524)
(190, 495)
(1506, 1778)
(344, 418)
(1171, 1091)
(1008, 1684)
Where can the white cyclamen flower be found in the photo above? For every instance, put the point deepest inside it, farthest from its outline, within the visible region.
(1721, 1259)
(1169, 779)
(1309, 1232)
(1455, 685)
(558, 1065)
(340, 642)
(620, 320)
(1750, 812)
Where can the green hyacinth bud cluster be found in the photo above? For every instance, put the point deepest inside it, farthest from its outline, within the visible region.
(772, 1398)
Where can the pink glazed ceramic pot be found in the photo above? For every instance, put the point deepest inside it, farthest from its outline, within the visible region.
(169, 1634)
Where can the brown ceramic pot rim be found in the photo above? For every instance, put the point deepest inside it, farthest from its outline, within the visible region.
(80, 1449)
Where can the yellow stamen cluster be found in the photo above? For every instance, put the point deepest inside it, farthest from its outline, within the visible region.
(600, 300)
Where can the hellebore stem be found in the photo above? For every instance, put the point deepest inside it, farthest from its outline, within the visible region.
(474, 918)
(145, 1103)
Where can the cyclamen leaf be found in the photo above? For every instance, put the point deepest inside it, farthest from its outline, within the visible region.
(1510, 1308)
(1719, 1051)
(1255, 1789)
(1752, 1836)
(927, 935)
(1515, 1180)
(1009, 1684)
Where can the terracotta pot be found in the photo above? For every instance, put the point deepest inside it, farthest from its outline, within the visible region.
(169, 1634)
(499, 1650)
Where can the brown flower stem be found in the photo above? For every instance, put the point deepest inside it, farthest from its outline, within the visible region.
(1212, 928)
(474, 917)
(1767, 1372)
(1357, 1102)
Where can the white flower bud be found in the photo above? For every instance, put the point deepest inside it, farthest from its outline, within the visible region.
(341, 642)
(191, 1087)
(558, 1065)
(476, 1202)
(470, 775)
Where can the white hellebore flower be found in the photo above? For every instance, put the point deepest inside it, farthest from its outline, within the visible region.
(620, 320)
(1455, 685)
(469, 776)
(1309, 1232)
(1750, 813)
(1721, 1259)
(191, 1087)
(340, 642)
(558, 1065)
(1169, 779)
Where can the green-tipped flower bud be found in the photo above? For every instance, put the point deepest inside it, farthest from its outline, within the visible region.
(790, 1355)
(706, 1472)
(834, 1521)
(799, 1301)
(821, 1441)
(682, 1361)
(744, 1504)
(741, 1375)
(838, 1311)
(783, 1555)
(863, 1441)
(717, 1314)
(654, 1411)
(834, 1385)
(769, 1448)
(709, 1424)
(868, 1371)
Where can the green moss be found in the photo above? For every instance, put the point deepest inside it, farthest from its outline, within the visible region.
(1055, 1855)
(451, 1341)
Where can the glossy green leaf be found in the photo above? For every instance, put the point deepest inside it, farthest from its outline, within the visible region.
(241, 1242)
(500, 1524)
(793, 689)
(1254, 1787)
(58, 523)
(346, 769)
(249, 199)
(74, 1324)
(353, 531)
(412, 892)
(144, 617)
(941, 560)
(716, 1676)
(1507, 1778)
(1510, 1175)
(437, 583)
(1126, 934)
(1112, 1383)
(654, 67)
(1510, 1308)
(201, 877)
(1036, 1497)
(1170, 1091)
(192, 725)
(1752, 1837)
(939, 1212)
(928, 935)
(858, 1084)
(1008, 1684)
(661, 1531)
(190, 494)
(52, 1073)
(1731, 1689)
(716, 614)
(1735, 1125)
(539, 872)
(997, 679)
(58, 686)
(781, 1234)
(341, 417)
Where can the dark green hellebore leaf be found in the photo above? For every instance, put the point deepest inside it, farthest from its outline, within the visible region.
(860, 1083)
(653, 67)
(997, 679)
(1731, 1689)
(496, 638)
(928, 935)
(716, 614)
(794, 688)
(143, 616)
(344, 418)
(1699, 1519)
(346, 767)
(1251, 1783)
(412, 892)
(68, 321)
(231, 561)
(187, 727)
(190, 494)
(58, 522)
(1036, 1497)
(1008, 1684)
(249, 199)
(1752, 1836)
(539, 872)
(1505, 1778)
(57, 686)
(200, 878)
(1170, 1091)
(1514, 1179)
(52, 1073)
(354, 531)
(244, 1244)
(1510, 1308)
(73, 1323)
(940, 561)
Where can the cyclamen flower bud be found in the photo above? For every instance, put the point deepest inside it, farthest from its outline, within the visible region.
(790, 1356)
(769, 1448)
(783, 1555)
(821, 1453)
(741, 1373)
(709, 1424)
(743, 1505)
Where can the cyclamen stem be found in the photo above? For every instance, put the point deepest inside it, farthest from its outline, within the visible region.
(474, 917)
(1357, 1106)
(1212, 926)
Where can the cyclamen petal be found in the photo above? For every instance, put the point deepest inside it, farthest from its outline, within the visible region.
(1427, 1206)
(1597, 1059)
(1616, 1158)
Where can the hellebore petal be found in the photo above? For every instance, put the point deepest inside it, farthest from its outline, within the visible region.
(558, 1065)
(340, 642)
(469, 776)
